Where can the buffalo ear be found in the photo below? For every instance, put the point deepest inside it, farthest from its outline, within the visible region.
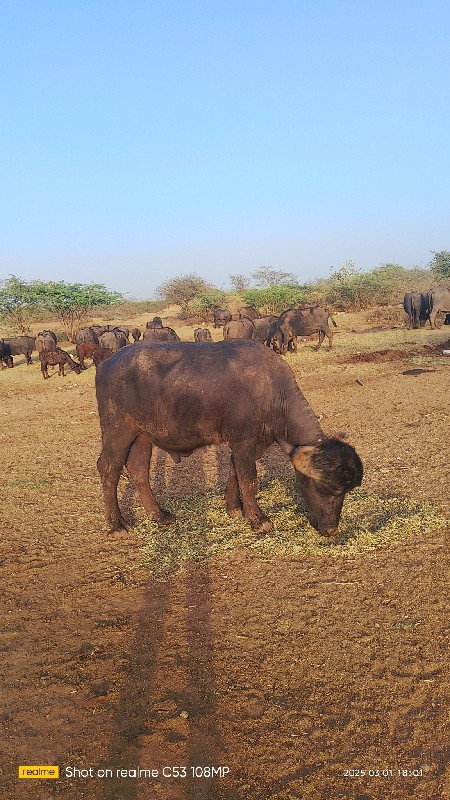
(302, 460)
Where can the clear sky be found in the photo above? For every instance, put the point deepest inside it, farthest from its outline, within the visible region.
(143, 139)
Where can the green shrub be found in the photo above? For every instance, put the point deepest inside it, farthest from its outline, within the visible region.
(275, 299)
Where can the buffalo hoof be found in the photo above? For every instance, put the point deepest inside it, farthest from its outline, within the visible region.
(166, 519)
(263, 525)
(234, 513)
(118, 524)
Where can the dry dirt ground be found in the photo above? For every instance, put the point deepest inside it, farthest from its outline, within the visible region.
(251, 675)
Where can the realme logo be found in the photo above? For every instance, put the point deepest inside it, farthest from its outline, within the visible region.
(39, 772)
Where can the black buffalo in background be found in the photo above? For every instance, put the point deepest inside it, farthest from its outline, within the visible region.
(221, 316)
(417, 308)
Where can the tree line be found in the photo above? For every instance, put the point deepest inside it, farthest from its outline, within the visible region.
(22, 302)
(268, 289)
(272, 290)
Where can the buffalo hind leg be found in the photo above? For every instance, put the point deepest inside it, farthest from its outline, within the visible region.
(244, 459)
(110, 464)
(321, 338)
(233, 500)
(137, 464)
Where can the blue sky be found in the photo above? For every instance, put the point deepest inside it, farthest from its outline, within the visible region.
(143, 140)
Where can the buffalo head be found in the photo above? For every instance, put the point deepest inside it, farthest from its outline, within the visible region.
(325, 472)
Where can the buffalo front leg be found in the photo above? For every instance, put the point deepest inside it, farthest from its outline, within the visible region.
(138, 463)
(244, 460)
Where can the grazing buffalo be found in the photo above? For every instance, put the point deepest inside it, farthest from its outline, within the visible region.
(136, 334)
(100, 354)
(21, 346)
(248, 311)
(239, 329)
(172, 396)
(439, 301)
(57, 357)
(156, 322)
(202, 335)
(113, 339)
(221, 316)
(5, 354)
(164, 334)
(416, 307)
(45, 340)
(302, 322)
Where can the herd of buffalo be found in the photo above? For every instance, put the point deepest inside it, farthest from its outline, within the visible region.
(171, 394)
(421, 307)
(97, 342)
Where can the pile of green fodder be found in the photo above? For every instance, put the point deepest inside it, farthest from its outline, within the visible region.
(203, 528)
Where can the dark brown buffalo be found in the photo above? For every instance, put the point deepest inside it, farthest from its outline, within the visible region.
(202, 335)
(89, 335)
(248, 311)
(6, 358)
(21, 346)
(164, 334)
(113, 339)
(99, 330)
(156, 322)
(119, 329)
(58, 358)
(439, 301)
(416, 307)
(100, 354)
(172, 396)
(85, 350)
(221, 316)
(136, 334)
(239, 329)
(264, 329)
(302, 322)
(45, 340)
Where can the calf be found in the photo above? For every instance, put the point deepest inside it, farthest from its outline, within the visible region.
(57, 357)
